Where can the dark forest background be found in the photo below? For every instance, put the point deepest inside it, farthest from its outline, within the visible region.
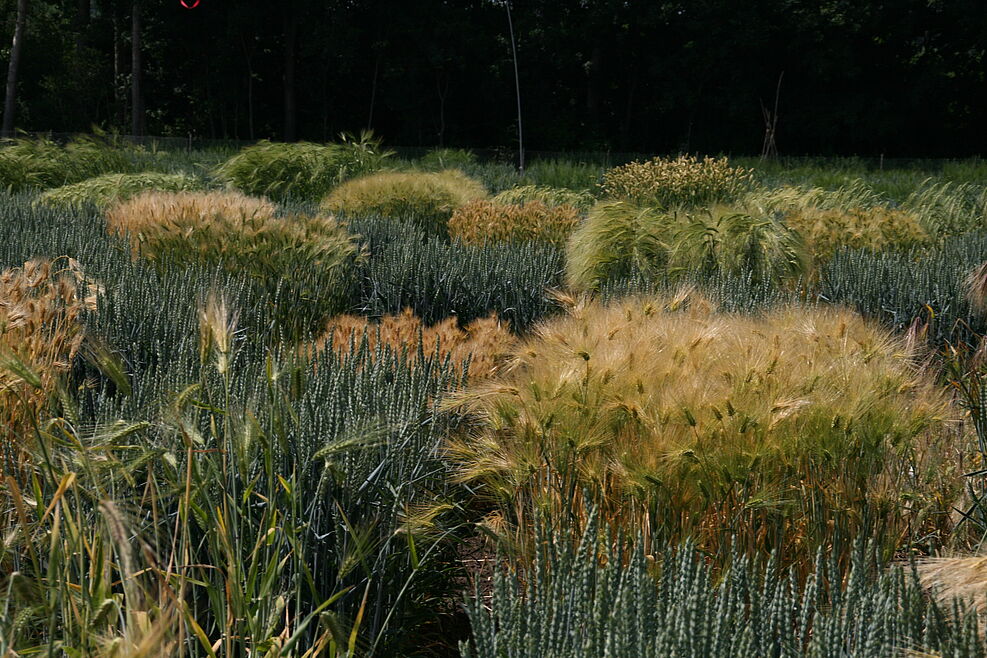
(902, 78)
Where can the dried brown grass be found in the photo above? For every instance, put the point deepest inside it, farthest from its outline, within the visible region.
(481, 221)
(41, 332)
(963, 578)
(483, 342)
(147, 218)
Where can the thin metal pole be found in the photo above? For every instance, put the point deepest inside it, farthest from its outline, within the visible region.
(517, 90)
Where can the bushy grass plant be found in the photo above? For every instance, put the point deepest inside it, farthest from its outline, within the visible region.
(480, 222)
(427, 199)
(601, 597)
(616, 240)
(42, 307)
(446, 158)
(876, 228)
(478, 348)
(761, 430)
(108, 189)
(263, 509)
(680, 182)
(560, 172)
(300, 171)
(550, 196)
(856, 193)
(40, 163)
(311, 259)
(620, 238)
(949, 208)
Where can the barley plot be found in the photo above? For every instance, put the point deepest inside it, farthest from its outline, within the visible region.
(318, 399)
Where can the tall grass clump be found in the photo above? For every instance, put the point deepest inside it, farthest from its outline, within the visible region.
(550, 196)
(857, 193)
(680, 182)
(560, 172)
(599, 597)
(759, 430)
(619, 239)
(446, 158)
(42, 308)
(949, 208)
(263, 509)
(427, 199)
(479, 222)
(105, 190)
(301, 171)
(41, 163)
(478, 347)
(875, 228)
(307, 261)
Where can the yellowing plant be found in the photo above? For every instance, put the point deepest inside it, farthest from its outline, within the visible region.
(684, 181)
(875, 228)
(673, 416)
(41, 308)
(426, 198)
(479, 222)
(309, 258)
(482, 343)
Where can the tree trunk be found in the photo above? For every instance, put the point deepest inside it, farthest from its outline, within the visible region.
(136, 70)
(10, 102)
(290, 103)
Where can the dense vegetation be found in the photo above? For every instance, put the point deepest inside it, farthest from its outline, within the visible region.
(902, 79)
(354, 404)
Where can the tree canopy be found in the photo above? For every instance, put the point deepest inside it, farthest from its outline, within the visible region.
(895, 77)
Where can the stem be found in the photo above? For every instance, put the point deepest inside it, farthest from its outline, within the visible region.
(517, 90)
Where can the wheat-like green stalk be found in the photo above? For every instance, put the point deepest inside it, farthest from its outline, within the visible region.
(601, 597)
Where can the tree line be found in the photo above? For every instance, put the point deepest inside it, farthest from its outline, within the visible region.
(898, 77)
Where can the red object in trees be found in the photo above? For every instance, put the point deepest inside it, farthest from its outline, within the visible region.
(195, 3)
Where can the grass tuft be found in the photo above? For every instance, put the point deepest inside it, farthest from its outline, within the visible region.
(305, 260)
(550, 196)
(620, 239)
(762, 431)
(108, 189)
(301, 171)
(681, 182)
(27, 164)
(42, 305)
(479, 222)
(480, 346)
(428, 199)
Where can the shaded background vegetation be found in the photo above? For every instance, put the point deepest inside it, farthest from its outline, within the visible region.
(902, 78)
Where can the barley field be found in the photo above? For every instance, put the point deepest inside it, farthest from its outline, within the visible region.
(301, 400)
